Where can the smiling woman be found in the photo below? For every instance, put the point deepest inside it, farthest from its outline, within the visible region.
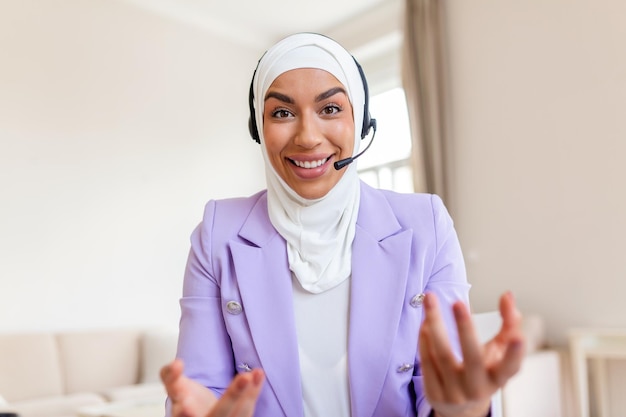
(322, 296)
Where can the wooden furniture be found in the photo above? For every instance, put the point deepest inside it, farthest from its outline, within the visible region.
(594, 346)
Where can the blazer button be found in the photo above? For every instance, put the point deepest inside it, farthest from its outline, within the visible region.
(233, 307)
(244, 367)
(417, 300)
(405, 367)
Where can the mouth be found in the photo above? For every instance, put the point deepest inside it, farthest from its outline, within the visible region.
(309, 164)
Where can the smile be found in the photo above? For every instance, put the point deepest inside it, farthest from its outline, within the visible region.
(309, 164)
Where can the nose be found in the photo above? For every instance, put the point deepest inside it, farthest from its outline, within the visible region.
(308, 134)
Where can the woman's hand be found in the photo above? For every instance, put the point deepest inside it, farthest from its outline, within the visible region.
(190, 399)
(464, 389)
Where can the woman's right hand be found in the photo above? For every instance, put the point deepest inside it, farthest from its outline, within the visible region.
(190, 399)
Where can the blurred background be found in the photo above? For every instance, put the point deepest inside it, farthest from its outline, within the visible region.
(120, 119)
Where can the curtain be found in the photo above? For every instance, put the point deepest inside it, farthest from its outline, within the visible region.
(424, 75)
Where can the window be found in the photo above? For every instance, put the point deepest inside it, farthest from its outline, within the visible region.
(387, 163)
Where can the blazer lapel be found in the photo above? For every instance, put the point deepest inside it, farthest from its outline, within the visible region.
(266, 291)
(381, 255)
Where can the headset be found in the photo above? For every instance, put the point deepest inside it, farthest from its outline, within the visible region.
(368, 122)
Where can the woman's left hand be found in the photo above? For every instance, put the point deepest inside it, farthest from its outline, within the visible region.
(464, 389)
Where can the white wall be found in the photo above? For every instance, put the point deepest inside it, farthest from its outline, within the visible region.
(539, 98)
(116, 126)
(539, 105)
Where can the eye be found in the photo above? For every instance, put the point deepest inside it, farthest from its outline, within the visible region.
(281, 113)
(331, 109)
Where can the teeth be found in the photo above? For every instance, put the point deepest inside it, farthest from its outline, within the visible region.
(310, 164)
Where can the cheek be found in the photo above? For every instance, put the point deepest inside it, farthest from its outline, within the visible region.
(344, 135)
(275, 139)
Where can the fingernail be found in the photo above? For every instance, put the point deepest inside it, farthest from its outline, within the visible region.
(429, 300)
(459, 311)
(257, 377)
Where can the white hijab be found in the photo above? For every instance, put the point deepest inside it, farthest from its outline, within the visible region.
(319, 233)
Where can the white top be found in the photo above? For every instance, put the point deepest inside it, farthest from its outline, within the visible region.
(322, 327)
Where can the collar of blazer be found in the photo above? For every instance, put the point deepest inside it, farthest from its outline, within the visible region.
(381, 257)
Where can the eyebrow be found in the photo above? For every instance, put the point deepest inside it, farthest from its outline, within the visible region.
(330, 93)
(282, 97)
(323, 96)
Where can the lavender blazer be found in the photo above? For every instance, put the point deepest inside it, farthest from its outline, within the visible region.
(405, 245)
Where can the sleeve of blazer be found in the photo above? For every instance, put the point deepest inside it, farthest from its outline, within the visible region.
(447, 279)
(204, 344)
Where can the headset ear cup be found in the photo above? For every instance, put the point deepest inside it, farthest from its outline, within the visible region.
(253, 130)
(367, 119)
(368, 123)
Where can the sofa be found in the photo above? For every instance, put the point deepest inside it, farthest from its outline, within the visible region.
(65, 374)
(543, 385)
(45, 374)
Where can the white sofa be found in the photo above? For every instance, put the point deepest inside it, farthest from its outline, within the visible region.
(58, 374)
(541, 386)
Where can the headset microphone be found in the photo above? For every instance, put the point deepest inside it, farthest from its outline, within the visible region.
(347, 161)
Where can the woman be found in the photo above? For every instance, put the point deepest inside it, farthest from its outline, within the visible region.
(322, 296)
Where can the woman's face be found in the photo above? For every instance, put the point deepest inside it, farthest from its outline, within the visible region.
(308, 125)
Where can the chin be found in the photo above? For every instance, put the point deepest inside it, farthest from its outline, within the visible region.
(311, 193)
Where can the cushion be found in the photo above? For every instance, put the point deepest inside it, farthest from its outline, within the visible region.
(534, 330)
(536, 390)
(29, 366)
(66, 405)
(158, 348)
(533, 326)
(126, 409)
(93, 361)
(487, 324)
(142, 392)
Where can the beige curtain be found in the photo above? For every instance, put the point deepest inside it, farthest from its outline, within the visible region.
(424, 77)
